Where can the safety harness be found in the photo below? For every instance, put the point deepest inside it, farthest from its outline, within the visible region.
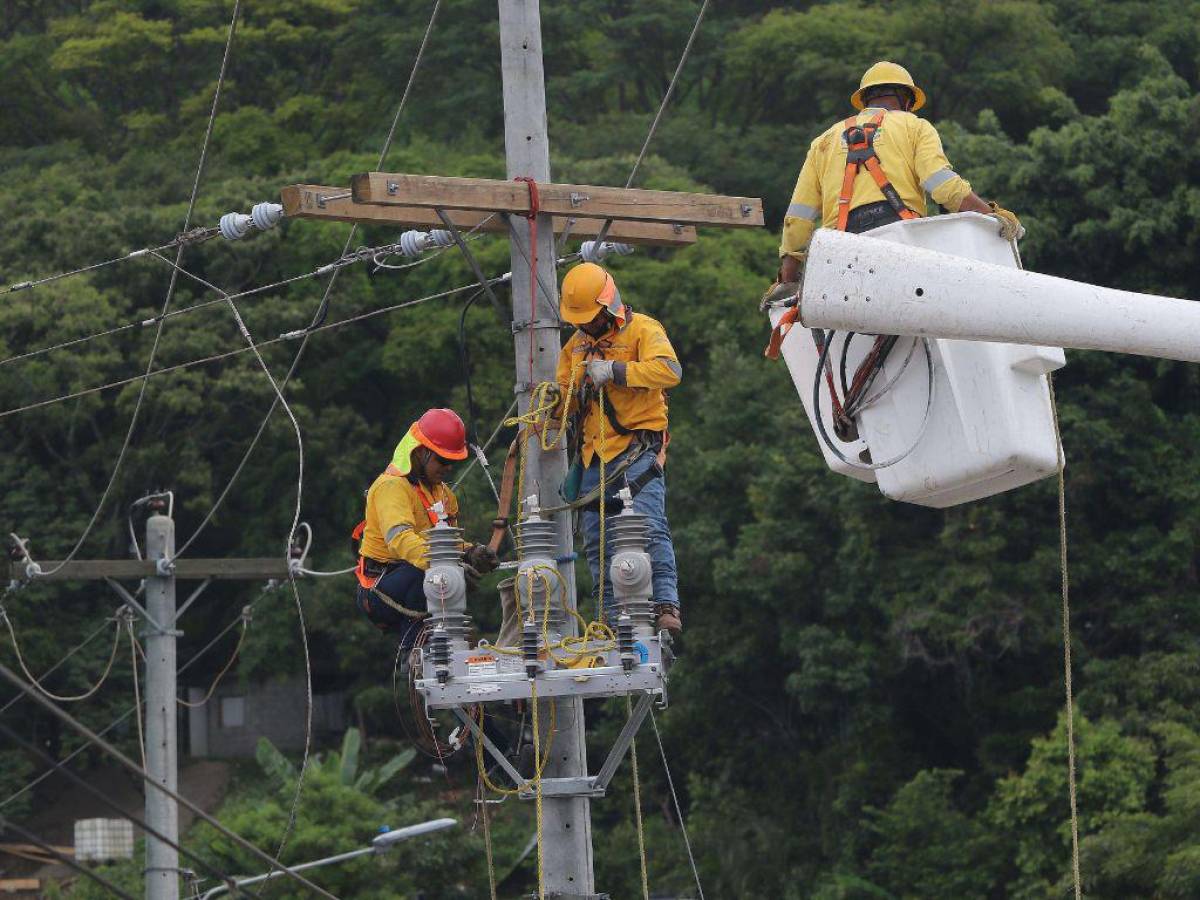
(860, 154)
(370, 580)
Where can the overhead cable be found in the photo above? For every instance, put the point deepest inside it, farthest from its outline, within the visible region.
(229, 353)
(120, 811)
(658, 115)
(8, 824)
(187, 220)
(30, 785)
(83, 731)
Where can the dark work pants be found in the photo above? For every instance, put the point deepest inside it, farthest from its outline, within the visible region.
(402, 582)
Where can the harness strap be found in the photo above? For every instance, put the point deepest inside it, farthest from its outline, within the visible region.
(860, 154)
(508, 482)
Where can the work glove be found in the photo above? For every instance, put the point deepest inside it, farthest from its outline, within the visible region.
(473, 577)
(600, 371)
(481, 558)
(1010, 226)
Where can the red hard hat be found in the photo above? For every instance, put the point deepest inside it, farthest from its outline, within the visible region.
(443, 432)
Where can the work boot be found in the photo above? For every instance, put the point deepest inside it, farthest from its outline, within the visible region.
(667, 618)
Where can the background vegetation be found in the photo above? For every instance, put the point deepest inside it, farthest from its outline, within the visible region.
(868, 701)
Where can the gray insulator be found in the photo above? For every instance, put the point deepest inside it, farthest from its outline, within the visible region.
(439, 653)
(414, 243)
(538, 537)
(631, 572)
(625, 642)
(445, 584)
(530, 648)
(235, 226)
(266, 215)
(592, 252)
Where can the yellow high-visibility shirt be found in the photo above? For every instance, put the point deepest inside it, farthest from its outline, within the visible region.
(397, 518)
(910, 152)
(646, 367)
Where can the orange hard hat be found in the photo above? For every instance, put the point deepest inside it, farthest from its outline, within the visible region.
(585, 289)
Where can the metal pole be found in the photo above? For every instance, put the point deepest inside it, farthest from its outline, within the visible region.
(567, 828)
(162, 749)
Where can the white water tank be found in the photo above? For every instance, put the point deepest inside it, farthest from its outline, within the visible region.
(990, 426)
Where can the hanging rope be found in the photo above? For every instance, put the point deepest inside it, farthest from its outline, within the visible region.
(1066, 633)
(137, 691)
(637, 805)
(531, 216)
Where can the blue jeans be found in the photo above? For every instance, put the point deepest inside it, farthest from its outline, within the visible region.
(651, 501)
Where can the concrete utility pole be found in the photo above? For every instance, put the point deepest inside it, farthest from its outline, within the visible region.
(567, 824)
(160, 571)
(162, 739)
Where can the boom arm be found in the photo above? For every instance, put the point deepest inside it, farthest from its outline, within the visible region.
(867, 285)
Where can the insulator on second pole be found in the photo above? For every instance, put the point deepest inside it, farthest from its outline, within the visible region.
(592, 252)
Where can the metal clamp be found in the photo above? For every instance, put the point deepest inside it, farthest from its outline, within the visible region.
(164, 567)
(534, 325)
(577, 198)
(393, 187)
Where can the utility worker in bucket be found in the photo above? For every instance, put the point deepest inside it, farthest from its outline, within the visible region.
(875, 168)
(406, 500)
(613, 374)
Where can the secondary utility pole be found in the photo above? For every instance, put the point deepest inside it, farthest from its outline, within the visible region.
(162, 737)
(567, 823)
(160, 571)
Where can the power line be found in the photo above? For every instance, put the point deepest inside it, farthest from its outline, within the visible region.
(121, 718)
(678, 811)
(187, 219)
(144, 323)
(216, 357)
(93, 738)
(112, 805)
(193, 237)
(12, 633)
(658, 115)
(65, 860)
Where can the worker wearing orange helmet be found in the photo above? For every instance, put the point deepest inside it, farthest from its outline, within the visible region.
(875, 168)
(620, 364)
(406, 500)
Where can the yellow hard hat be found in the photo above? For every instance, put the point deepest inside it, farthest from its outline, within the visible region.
(887, 73)
(586, 287)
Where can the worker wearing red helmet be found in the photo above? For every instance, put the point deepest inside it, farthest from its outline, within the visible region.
(406, 500)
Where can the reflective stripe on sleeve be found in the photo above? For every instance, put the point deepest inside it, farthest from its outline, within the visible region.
(395, 531)
(802, 211)
(938, 178)
(676, 368)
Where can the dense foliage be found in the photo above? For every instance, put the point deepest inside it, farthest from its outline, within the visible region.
(868, 702)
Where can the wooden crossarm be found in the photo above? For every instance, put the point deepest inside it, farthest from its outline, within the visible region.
(316, 201)
(622, 204)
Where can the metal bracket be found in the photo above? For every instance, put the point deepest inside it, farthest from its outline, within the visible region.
(624, 739)
(491, 748)
(578, 198)
(393, 188)
(131, 601)
(164, 568)
(534, 324)
(192, 598)
(584, 786)
(473, 263)
(523, 387)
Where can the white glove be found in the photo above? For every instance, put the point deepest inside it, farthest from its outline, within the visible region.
(600, 371)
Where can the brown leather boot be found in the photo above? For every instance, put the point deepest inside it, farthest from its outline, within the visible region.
(667, 617)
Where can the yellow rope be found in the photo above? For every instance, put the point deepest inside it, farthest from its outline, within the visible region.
(637, 806)
(601, 613)
(487, 842)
